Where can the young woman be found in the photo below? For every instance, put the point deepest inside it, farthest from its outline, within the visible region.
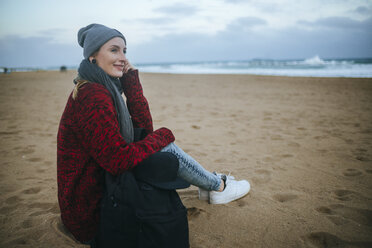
(96, 133)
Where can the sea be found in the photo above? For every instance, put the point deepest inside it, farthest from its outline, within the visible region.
(309, 67)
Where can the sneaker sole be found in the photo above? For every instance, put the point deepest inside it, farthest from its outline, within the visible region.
(227, 200)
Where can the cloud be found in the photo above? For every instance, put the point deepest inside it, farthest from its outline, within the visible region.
(150, 20)
(237, 1)
(339, 23)
(243, 39)
(157, 20)
(263, 6)
(52, 31)
(363, 10)
(180, 9)
(235, 43)
(16, 51)
(245, 23)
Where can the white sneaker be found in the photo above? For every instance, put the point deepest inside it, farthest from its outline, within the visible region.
(204, 194)
(233, 191)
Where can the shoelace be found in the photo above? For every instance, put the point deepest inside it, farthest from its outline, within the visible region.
(229, 176)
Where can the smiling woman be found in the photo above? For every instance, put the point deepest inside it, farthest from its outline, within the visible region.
(111, 57)
(98, 140)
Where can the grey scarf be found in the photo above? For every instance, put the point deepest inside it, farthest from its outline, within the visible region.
(94, 73)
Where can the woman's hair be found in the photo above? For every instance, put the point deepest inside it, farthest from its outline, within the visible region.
(78, 85)
(81, 82)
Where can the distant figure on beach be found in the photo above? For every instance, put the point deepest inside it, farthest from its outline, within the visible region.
(63, 68)
(97, 134)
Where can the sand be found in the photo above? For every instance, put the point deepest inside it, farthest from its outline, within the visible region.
(305, 144)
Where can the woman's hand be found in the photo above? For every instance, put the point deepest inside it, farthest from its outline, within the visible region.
(128, 66)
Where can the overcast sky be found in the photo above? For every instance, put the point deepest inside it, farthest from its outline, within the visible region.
(42, 33)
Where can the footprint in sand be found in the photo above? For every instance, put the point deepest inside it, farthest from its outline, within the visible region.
(320, 137)
(13, 127)
(40, 171)
(349, 141)
(351, 172)
(28, 223)
(340, 214)
(276, 137)
(13, 200)
(27, 150)
(325, 239)
(344, 195)
(31, 191)
(362, 158)
(19, 241)
(261, 176)
(9, 133)
(285, 197)
(293, 144)
(361, 154)
(195, 127)
(241, 202)
(331, 215)
(286, 155)
(194, 212)
(34, 159)
(7, 210)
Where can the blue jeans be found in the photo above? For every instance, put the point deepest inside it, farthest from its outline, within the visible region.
(191, 171)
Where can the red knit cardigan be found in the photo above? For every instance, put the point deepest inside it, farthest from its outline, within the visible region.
(89, 142)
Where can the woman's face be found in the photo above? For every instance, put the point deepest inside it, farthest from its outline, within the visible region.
(111, 57)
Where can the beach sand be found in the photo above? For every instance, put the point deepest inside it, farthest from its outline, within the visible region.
(305, 144)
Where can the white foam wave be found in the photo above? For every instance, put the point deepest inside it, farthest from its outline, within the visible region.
(314, 66)
(315, 61)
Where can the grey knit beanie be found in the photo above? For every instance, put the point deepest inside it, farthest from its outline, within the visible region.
(93, 36)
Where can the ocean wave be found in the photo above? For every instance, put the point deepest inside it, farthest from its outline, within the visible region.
(314, 66)
(314, 61)
(310, 67)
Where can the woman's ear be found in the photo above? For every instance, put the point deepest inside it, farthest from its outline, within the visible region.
(92, 60)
